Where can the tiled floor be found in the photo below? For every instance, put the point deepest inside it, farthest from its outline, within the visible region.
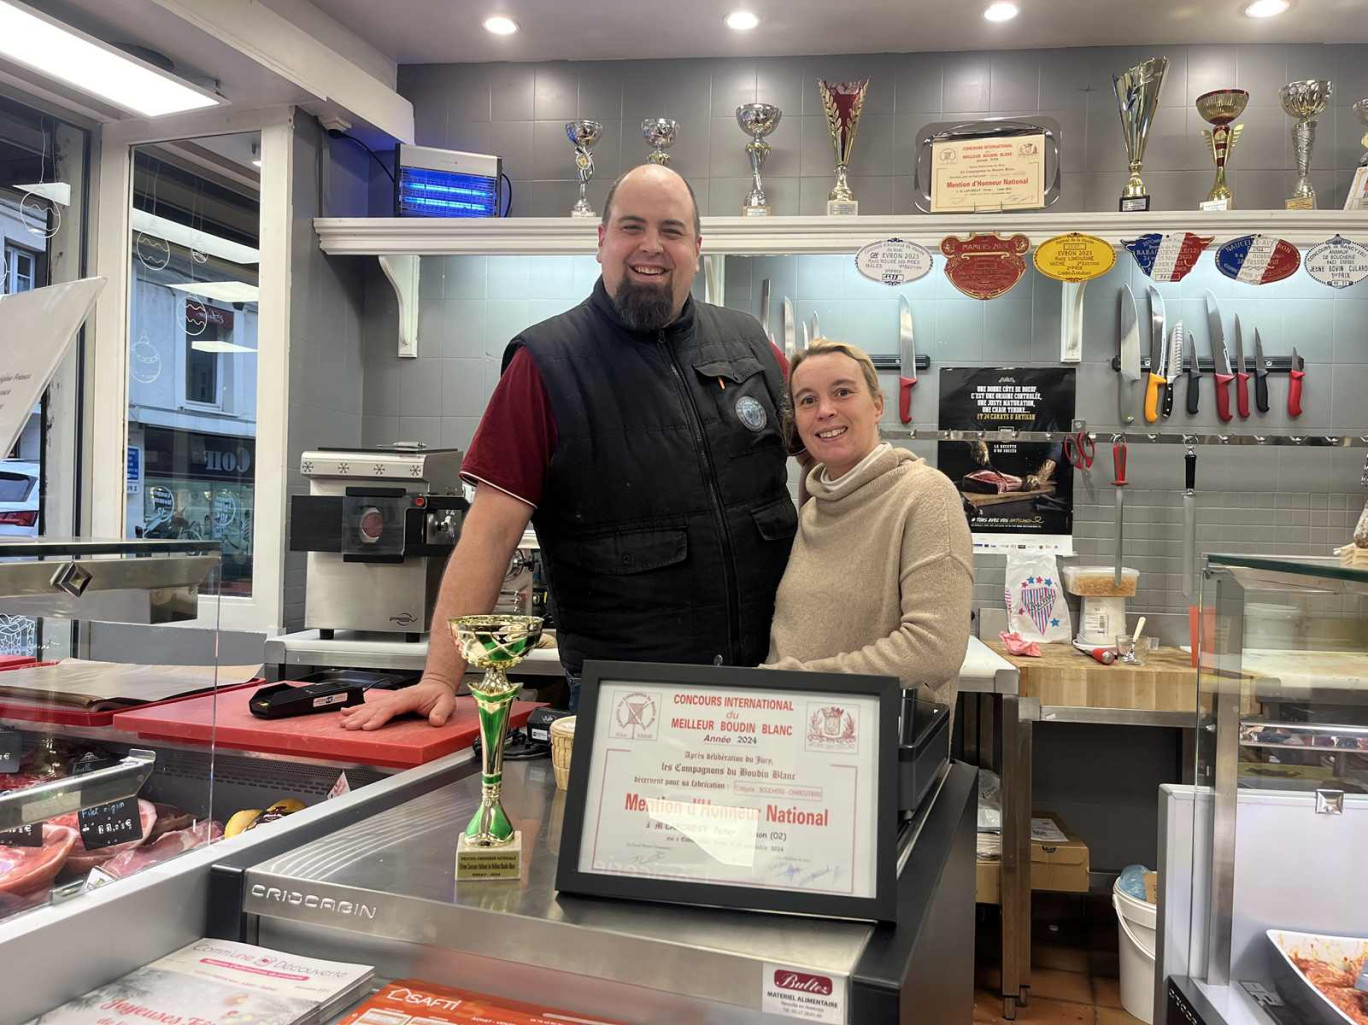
(1073, 967)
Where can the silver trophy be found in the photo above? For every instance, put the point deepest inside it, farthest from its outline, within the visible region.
(1304, 101)
(757, 120)
(1137, 97)
(660, 132)
(583, 134)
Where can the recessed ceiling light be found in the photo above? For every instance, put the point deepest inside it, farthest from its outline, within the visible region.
(500, 25)
(1266, 8)
(1001, 11)
(51, 48)
(741, 21)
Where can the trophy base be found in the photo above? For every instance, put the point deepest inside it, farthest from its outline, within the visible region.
(843, 208)
(1214, 204)
(1133, 204)
(755, 211)
(1300, 203)
(489, 863)
(583, 213)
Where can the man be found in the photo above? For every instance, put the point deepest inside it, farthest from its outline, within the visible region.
(639, 432)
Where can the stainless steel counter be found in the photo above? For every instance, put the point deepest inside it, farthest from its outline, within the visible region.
(388, 882)
(984, 671)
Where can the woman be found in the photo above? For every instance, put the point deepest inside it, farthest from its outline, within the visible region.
(881, 575)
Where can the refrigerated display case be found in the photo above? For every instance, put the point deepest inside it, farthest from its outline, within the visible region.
(1270, 925)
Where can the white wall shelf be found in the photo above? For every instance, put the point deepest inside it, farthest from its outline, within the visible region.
(542, 236)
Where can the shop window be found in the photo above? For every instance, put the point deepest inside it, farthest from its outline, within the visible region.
(21, 269)
(205, 330)
(192, 358)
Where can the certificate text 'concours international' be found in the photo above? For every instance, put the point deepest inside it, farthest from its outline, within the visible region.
(734, 786)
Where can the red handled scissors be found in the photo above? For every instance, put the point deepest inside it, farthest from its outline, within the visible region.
(1080, 450)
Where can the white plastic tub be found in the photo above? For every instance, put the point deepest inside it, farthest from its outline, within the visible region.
(1136, 923)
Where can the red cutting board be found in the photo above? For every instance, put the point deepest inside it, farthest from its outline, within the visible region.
(402, 744)
(30, 710)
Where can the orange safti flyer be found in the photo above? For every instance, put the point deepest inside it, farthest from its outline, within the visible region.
(415, 1002)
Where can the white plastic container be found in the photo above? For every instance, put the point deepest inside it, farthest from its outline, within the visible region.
(1136, 922)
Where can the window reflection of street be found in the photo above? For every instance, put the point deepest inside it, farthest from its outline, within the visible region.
(192, 347)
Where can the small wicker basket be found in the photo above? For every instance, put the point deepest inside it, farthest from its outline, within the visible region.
(562, 743)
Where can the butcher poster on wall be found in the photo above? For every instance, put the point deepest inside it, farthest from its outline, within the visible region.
(1016, 494)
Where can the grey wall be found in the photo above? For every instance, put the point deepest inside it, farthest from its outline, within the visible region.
(1265, 500)
(326, 304)
(519, 111)
(1271, 500)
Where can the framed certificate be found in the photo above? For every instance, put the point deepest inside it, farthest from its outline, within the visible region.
(731, 787)
(988, 166)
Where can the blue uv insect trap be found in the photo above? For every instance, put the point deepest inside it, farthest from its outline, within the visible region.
(433, 182)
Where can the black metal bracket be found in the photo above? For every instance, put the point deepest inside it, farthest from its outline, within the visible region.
(895, 363)
(1273, 364)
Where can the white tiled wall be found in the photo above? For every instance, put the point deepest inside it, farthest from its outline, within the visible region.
(1270, 500)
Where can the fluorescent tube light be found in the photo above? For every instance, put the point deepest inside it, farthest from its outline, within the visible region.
(221, 291)
(220, 347)
(47, 46)
(200, 241)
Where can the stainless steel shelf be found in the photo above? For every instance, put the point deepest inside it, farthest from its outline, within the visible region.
(1117, 716)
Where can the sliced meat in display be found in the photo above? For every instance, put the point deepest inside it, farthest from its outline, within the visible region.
(169, 819)
(990, 482)
(82, 860)
(164, 848)
(26, 869)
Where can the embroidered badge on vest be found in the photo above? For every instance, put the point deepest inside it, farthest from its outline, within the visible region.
(751, 413)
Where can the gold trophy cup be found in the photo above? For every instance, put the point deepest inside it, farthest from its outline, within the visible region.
(842, 102)
(1218, 108)
(490, 848)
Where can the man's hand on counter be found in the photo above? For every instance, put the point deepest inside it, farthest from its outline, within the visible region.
(427, 697)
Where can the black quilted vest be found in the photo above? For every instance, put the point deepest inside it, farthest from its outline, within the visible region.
(666, 521)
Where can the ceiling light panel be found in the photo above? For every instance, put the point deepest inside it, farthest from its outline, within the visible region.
(51, 48)
(500, 26)
(1001, 11)
(741, 21)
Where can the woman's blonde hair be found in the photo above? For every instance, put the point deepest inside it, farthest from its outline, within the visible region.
(822, 347)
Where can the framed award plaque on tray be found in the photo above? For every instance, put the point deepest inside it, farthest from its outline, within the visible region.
(742, 788)
(989, 166)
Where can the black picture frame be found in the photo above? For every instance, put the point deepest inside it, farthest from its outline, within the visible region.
(881, 907)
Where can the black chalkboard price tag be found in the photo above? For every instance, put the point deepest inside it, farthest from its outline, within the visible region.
(107, 824)
(25, 836)
(11, 750)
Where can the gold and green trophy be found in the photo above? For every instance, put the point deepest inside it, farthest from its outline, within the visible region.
(490, 848)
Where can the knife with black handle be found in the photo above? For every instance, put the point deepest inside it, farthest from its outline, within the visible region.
(1194, 377)
(1260, 375)
(1172, 369)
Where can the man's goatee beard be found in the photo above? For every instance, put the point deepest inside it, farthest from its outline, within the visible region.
(643, 307)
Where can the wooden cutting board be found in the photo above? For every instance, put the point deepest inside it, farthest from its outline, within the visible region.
(402, 744)
(1063, 675)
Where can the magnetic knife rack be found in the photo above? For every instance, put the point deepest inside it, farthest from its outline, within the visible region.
(1273, 364)
(1008, 435)
(893, 363)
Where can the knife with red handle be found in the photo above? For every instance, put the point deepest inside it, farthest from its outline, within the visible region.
(1220, 358)
(907, 355)
(1223, 395)
(1294, 391)
(1241, 377)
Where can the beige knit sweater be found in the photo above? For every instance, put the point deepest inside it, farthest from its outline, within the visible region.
(881, 577)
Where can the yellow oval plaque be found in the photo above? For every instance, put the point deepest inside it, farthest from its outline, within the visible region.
(1074, 257)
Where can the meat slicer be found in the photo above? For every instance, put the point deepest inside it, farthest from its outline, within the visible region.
(378, 526)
